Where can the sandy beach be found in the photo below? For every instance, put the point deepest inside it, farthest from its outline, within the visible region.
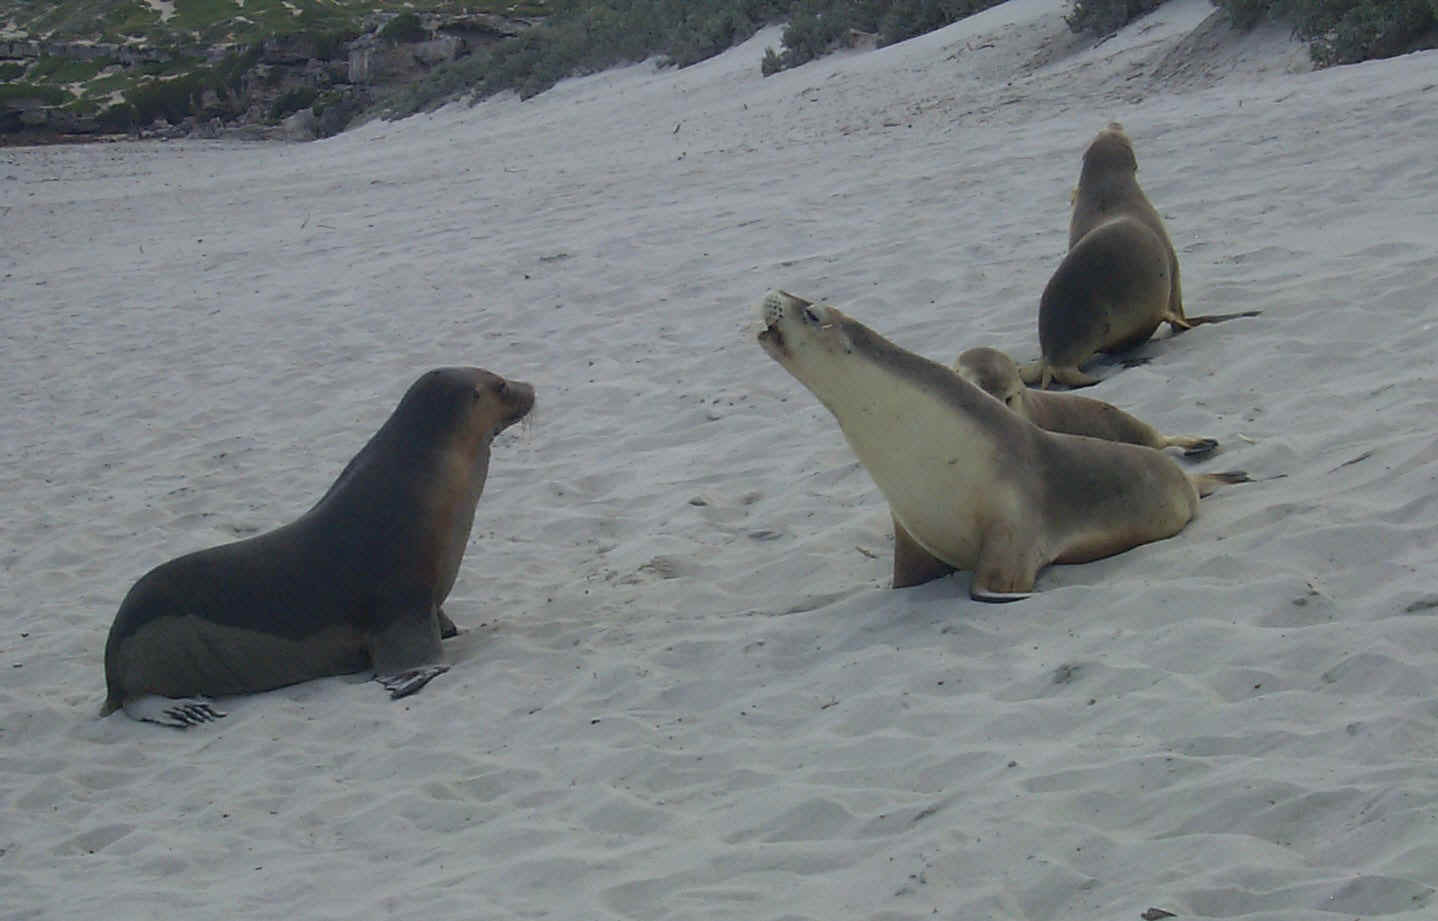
(684, 689)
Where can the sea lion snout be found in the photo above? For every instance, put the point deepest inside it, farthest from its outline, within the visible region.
(518, 396)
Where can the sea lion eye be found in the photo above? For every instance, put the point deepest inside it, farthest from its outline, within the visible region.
(502, 387)
(811, 316)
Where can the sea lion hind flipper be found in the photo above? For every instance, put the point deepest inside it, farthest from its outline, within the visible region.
(1220, 317)
(447, 628)
(177, 712)
(1206, 483)
(406, 683)
(1192, 445)
(913, 565)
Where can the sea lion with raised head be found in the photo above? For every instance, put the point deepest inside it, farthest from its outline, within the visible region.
(355, 583)
(1120, 278)
(970, 484)
(997, 375)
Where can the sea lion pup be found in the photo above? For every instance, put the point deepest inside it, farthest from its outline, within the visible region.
(970, 484)
(1120, 278)
(354, 583)
(997, 375)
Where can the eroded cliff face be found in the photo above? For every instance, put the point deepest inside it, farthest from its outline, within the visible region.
(294, 86)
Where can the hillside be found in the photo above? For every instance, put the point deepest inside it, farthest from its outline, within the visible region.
(93, 66)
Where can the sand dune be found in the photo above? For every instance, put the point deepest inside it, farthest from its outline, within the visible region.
(685, 690)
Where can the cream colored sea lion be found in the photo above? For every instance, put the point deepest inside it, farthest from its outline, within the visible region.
(1120, 278)
(996, 374)
(354, 583)
(970, 484)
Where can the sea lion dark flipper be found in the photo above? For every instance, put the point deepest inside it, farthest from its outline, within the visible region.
(447, 629)
(406, 683)
(406, 651)
(913, 565)
(178, 712)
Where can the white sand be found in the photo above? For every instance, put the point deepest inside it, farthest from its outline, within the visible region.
(686, 691)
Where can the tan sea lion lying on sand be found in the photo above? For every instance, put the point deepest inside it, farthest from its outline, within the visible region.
(997, 375)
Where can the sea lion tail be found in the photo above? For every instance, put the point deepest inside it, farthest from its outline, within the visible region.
(1206, 483)
(1220, 317)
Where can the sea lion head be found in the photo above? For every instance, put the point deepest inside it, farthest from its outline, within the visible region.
(847, 365)
(1110, 152)
(464, 407)
(994, 373)
(796, 329)
(815, 342)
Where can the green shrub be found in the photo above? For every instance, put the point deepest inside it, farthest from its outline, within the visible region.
(46, 95)
(10, 70)
(292, 101)
(54, 69)
(173, 100)
(1245, 14)
(403, 28)
(1347, 31)
(119, 118)
(906, 18)
(817, 27)
(1104, 16)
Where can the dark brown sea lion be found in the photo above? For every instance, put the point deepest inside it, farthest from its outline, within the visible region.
(354, 583)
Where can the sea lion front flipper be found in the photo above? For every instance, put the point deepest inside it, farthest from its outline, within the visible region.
(178, 712)
(1069, 376)
(1031, 373)
(913, 565)
(406, 650)
(406, 683)
(447, 629)
(1007, 566)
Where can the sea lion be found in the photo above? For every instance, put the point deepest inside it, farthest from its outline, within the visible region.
(1120, 278)
(970, 484)
(354, 583)
(997, 375)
